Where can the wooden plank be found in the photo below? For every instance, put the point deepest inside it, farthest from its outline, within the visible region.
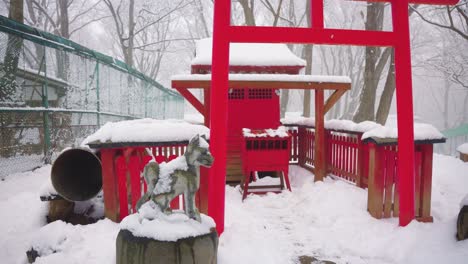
(122, 182)
(331, 101)
(134, 169)
(110, 185)
(183, 85)
(417, 182)
(396, 196)
(426, 179)
(389, 184)
(373, 205)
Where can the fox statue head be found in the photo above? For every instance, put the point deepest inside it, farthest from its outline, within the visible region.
(197, 153)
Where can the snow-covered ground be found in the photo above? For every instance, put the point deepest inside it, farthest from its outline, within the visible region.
(327, 220)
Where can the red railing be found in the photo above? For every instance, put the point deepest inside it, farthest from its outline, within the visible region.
(368, 165)
(123, 182)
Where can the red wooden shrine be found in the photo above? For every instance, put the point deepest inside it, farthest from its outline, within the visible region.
(265, 153)
(247, 106)
(398, 38)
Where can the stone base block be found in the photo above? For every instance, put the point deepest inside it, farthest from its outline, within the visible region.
(142, 250)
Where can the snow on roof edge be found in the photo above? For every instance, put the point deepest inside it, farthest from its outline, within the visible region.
(266, 77)
(369, 129)
(249, 54)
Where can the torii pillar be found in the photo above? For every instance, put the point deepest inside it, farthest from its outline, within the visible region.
(399, 39)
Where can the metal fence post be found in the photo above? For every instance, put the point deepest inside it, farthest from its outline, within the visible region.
(45, 113)
(98, 99)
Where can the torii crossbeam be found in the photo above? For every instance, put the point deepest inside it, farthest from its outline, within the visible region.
(399, 39)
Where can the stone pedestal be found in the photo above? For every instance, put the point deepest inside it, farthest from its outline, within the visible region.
(462, 223)
(142, 250)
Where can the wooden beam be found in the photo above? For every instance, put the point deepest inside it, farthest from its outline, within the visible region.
(206, 101)
(333, 99)
(204, 84)
(192, 99)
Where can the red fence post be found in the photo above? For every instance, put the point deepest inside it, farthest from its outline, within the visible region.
(375, 184)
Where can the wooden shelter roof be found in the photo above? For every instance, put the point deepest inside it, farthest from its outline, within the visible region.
(266, 81)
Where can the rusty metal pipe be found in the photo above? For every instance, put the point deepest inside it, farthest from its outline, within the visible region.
(76, 174)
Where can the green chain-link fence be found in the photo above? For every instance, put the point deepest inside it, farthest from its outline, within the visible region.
(54, 92)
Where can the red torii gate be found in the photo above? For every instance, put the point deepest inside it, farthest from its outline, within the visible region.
(399, 39)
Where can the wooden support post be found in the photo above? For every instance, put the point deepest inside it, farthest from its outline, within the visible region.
(375, 184)
(192, 100)
(320, 152)
(301, 145)
(206, 102)
(426, 182)
(110, 185)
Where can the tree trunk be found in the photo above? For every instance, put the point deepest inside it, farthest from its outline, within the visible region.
(387, 95)
(248, 8)
(63, 61)
(8, 85)
(366, 109)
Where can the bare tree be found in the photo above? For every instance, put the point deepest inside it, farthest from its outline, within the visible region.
(454, 18)
(10, 63)
(143, 31)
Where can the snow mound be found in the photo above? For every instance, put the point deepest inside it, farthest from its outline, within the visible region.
(151, 223)
(463, 148)
(47, 189)
(464, 202)
(165, 170)
(279, 132)
(60, 242)
(251, 54)
(146, 130)
(370, 129)
(421, 132)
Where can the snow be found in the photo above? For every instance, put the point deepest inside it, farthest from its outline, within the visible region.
(151, 223)
(194, 118)
(327, 220)
(279, 132)
(463, 148)
(203, 143)
(146, 130)
(165, 170)
(60, 242)
(47, 189)
(267, 77)
(368, 128)
(421, 132)
(464, 202)
(333, 124)
(249, 54)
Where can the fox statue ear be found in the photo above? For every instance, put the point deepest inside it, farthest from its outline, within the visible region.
(204, 137)
(194, 142)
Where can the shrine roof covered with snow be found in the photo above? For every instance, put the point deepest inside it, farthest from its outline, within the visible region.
(249, 54)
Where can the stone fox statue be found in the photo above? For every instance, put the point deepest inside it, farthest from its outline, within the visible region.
(166, 181)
